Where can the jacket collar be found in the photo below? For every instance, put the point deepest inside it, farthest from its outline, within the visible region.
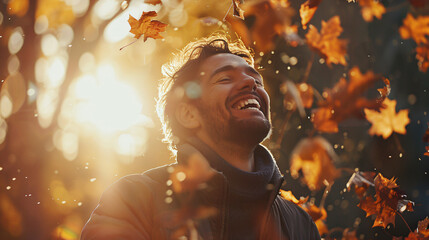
(266, 176)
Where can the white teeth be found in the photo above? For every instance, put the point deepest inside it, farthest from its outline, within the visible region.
(245, 102)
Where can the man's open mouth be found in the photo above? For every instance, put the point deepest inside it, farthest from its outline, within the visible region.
(250, 102)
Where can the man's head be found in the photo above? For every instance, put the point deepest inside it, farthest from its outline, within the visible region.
(212, 90)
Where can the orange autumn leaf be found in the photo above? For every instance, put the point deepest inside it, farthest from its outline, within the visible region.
(387, 121)
(288, 195)
(344, 100)
(326, 43)
(422, 55)
(314, 157)
(415, 28)
(427, 151)
(271, 19)
(371, 9)
(146, 26)
(307, 10)
(422, 231)
(389, 201)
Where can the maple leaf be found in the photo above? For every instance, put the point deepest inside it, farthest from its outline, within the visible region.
(238, 12)
(389, 200)
(326, 43)
(288, 195)
(415, 28)
(146, 26)
(422, 55)
(344, 100)
(307, 10)
(314, 157)
(387, 121)
(371, 9)
(271, 19)
(193, 174)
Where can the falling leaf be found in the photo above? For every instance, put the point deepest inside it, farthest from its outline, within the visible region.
(145, 26)
(288, 195)
(326, 43)
(344, 101)
(290, 34)
(307, 10)
(193, 174)
(318, 214)
(371, 9)
(153, 2)
(415, 28)
(387, 121)
(385, 91)
(238, 12)
(271, 19)
(389, 200)
(422, 55)
(314, 157)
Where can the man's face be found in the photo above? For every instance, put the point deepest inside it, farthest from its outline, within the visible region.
(234, 105)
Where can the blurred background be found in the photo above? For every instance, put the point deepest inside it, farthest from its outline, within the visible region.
(77, 113)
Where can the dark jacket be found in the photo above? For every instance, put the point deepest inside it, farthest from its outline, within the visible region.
(142, 207)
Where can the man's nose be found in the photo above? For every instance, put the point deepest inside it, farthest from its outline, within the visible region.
(248, 83)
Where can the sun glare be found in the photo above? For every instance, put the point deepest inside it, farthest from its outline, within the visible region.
(105, 102)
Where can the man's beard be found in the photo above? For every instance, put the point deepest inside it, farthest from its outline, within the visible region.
(246, 131)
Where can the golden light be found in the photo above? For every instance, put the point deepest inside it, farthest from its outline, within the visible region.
(16, 40)
(49, 44)
(105, 102)
(3, 130)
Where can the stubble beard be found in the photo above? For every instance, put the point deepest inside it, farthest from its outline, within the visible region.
(245, 131)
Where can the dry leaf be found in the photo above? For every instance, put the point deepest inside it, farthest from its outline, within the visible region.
(371, 9)
(314, 157)
(238, 12)
(307, 10)
(288, 195)
(415, 28)
(146, 26)
(271, 19)
(388, 201)
(387, 121)
(361, 181)
(344, 101)
(422, 55)
(326, 43)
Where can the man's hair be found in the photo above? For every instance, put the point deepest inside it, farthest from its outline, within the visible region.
(182, 69)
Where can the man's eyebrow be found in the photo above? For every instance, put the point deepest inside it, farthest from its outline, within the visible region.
(231, 67)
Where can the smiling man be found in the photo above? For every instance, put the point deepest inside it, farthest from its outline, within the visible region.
(214, 108)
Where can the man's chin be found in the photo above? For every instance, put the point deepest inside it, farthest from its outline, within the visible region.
(251, 132)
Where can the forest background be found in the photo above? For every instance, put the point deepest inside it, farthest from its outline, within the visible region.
(77, 113)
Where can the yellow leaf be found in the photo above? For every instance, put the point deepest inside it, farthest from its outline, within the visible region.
(387, 121)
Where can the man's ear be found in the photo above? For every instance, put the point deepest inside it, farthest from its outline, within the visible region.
(187, 115)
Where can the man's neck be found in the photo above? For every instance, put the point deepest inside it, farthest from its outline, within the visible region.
(238, 155)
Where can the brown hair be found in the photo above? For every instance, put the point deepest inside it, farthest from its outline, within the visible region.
(183, 68)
